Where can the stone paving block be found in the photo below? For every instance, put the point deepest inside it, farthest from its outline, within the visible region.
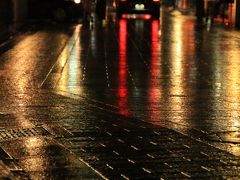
(125, 152)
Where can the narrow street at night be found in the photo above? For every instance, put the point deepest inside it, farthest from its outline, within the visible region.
(130, 98)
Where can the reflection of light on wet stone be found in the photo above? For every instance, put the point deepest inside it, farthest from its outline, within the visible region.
(233, 137)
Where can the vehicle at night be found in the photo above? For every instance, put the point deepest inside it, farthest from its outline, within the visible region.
(59, 10)
(138, 7)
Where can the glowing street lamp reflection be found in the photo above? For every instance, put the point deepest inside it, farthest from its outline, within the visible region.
(70, 61)
(35, 146)
(232, 92)
(177, 102)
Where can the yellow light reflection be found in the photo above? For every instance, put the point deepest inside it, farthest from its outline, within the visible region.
(34, 147)
(227, 86)
(181, 69)
(227, 91)
(71, 76)
(70, 60)
(63, 58)
(33, 143)
(21, 67)
(232, 93)
(235, 149)
(176, 73)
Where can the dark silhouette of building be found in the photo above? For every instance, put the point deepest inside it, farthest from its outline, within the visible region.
(13, 14)
(6, 19)
(200, 13)
(101, 9)
(238, 13)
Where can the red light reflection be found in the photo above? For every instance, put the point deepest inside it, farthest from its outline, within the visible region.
(122, 72)
(125, 16)
(154, 93)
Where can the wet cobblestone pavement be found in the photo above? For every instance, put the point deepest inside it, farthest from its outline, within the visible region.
(123, 148)
(115, 146)
(124, 99)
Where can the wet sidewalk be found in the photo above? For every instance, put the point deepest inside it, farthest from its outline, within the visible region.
(109, 138)
(127, 148)
(128, 99)
(81, 134)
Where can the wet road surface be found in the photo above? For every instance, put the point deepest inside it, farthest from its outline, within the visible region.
(124, 99)
(170, 72)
